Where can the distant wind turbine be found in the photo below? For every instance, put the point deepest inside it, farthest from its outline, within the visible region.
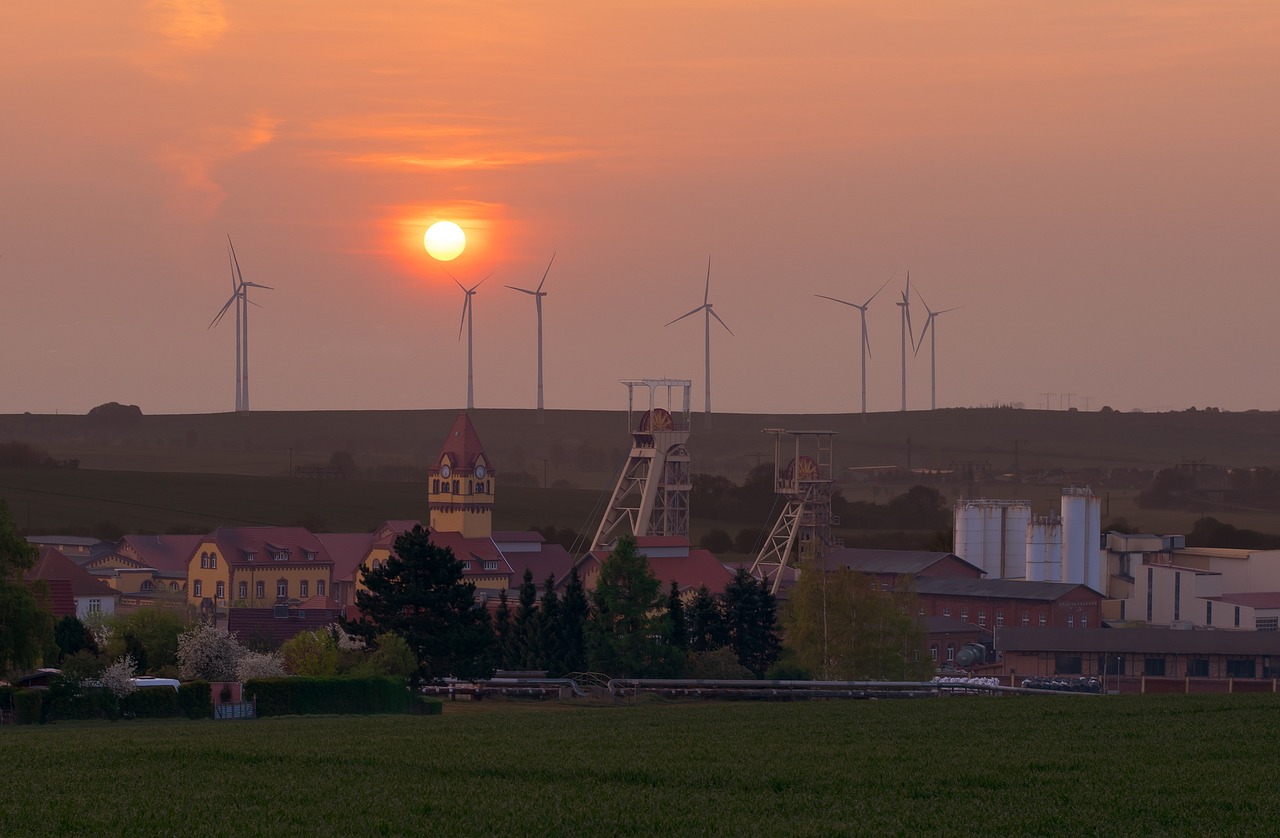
(710, 312)
(931, 327)
(240, 298)
(538, 294)
(467, 310)
(905, 305)
(866, 341)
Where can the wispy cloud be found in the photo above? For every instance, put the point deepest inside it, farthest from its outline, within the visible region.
(188, 24)
(193, 158)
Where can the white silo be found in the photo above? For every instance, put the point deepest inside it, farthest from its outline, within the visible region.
(1081, 528)
(1013, 552)
(1044, 548)
(991, 534)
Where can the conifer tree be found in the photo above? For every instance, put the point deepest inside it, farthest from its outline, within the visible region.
(751, 613)
(502, 631)
(524, 633)
(575, 611)
(707, 630)
(677, 624)
(550, 645)
(419, 594)
(625, 638)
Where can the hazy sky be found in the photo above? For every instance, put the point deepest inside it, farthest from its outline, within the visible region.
(1097, 183)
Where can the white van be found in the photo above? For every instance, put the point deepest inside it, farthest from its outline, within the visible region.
(155, 682)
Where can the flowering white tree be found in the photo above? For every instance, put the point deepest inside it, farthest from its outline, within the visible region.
(208, 653)
(259, 665)
(118, 677)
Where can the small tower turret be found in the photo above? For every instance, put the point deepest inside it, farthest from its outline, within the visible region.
(461, 484)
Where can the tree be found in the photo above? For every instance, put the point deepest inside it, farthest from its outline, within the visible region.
(717, 541)
(751, 616)
(393, 656)
(502, 632)
(118, 677)
(550, 644)
(150, 634)
(73, 636)
(677, 625)
(311, 653)
(575, 611)
(26, 623)
(258, 665)
(208, 653)
(524, 634)
(418, 594)
(707, 629)
(625, 636)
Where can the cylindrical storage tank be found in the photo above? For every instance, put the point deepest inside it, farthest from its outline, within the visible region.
(1013, 560)
(1095, 574)
(1075, 541)
(992, 534)
(1053, 550)
(960, 533)
(1035, 550)
(968, 542)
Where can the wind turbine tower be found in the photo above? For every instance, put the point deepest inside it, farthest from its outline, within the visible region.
(709, 312)
(931, 327)
(866, 342)
(467, 310)
(537, 295)
(905, 305)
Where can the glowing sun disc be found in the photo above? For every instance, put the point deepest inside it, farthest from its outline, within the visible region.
(445, 241)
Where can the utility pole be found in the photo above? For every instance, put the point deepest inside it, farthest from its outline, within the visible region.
(1017, 461)
(1088, 400)
(1048, 396)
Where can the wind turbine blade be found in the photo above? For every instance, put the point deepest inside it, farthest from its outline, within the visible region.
(706, 294)
(524, 290)
(878, 290)
(683, 316)
(252, 303)
(866, 341)
(473, 288)
(466, 303)
(256, 285)
(547, 271)
(712, 312)
(945, 310)
(834, 300)
(235, 260)
(455, 279)
(218, 317)
(928, 324)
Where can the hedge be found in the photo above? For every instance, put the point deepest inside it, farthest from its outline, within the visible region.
(69, 699)
(26, 706)
(425, 706)
(151, 703)
(196, 698)
(298, 696)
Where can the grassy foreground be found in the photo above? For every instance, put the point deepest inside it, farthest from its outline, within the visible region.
(1120, 765)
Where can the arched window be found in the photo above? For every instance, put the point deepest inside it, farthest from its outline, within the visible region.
(173, 586)
(213, 560)
(204, 560)
(933, 652)
(319, 587)
(147, 586)
(282, 588)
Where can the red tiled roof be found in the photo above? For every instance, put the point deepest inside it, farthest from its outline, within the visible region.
(163, 552)
(347, 550)
(517, 536)
(62, 603)
(319, 603)
(53, 565)
(237, 543)
(699, 568)
(262, 624)
(462, 444)
(1259, 599)
(662, 541)
(551, 560)
(388, 531)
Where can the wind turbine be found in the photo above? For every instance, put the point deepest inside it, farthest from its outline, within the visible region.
(905, 305)
(538, 294)
(710, 312)
(930, 327)
(866, 342)
(244, 332)
(467, 310)
(239, 298)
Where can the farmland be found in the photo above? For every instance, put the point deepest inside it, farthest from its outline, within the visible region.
(1118, 765)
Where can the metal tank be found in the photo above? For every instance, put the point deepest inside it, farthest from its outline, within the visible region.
(1044, 548)
(1081, 528)
(991, 534)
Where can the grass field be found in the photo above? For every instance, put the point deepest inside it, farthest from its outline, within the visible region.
(1169, 765)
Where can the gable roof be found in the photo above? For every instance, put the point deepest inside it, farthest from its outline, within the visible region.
(237, 544)
(999, 588)
(909, 562)
(1138, 640)
(462, 445)
(163, 552)
(347, 550)
(52, 565)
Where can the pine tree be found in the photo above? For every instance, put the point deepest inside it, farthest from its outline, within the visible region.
(26, 623)
(524, 633)
(502, 631)
(751, 613)
(575, 611)
(550, 645)
(707, 630)
(677, 623)
(419, 594)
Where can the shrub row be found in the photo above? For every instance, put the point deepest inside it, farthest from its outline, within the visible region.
(66, 700)
(300, 696)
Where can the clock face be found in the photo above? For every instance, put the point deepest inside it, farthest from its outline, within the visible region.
(445, 471)
(480, 472)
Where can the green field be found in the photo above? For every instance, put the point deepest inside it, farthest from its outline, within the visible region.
(1028, 766)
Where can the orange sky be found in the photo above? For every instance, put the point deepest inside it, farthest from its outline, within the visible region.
(1096, 183)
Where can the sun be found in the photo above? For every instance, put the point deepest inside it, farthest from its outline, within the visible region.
(445, 241)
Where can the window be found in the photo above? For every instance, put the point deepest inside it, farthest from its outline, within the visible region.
(467, 565)
(921, 612)
(1071, 621)
(174, 586)
(964, 613)
(95, 606)
(282, 589)
(884, 584)
(280, 555)
(311, 557)
(999, 618)
(435, 487)
(455, 487)
(490, 565)
(213, 560)
(242, 590)
(951, 651)
(197, 588)
(1084, 621)
(480, 488)
(1265, 623)
(1237, 616)
(1026, 619)
(1153, 667)
(1242, 668)
(319, 587)
(1198, 668)
(1208, 612)
(304, 589)
(946, 610)
(1150, 577)
(933, 652)
(260, 590)
(146, 585)
(1177, 595)
(1067, 665)
(1042, 620)
(204, 560)
(1123, 602)
(220, 590)
(982, 617)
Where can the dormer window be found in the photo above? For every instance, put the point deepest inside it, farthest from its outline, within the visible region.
(311, 556)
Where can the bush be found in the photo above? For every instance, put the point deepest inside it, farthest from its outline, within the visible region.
(69, 699)
(196, 698)
(301, 696)
(425, 706)
(26, 706)
(151, 703)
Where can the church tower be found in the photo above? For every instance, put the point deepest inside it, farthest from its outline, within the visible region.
(461, 484)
